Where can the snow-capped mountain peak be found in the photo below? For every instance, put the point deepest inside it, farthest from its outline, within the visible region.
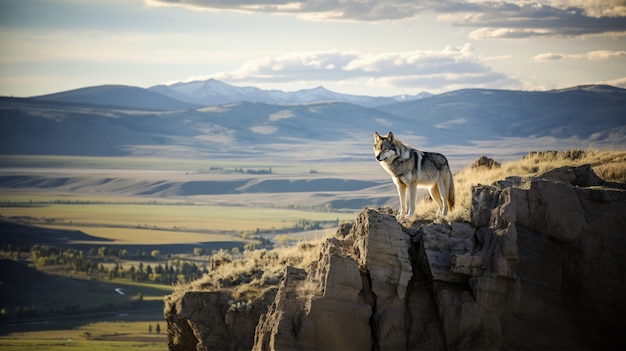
(215, 92)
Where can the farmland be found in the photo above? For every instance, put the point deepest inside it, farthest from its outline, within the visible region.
(119, 332)
(178, 217)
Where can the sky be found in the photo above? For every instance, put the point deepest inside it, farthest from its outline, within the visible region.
(364, 47)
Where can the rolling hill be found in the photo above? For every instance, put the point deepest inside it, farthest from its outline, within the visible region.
(471, 121)
(593, 112)
(118, 95)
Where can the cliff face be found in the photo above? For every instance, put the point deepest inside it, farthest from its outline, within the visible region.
(537, 267)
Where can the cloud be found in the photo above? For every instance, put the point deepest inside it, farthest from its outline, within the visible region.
(618, 82)
(101, 47)
(447, 82)
(596, 8)
(510, 19)
(367, 10)
(450, 67)
(451, 123)
(592, 56)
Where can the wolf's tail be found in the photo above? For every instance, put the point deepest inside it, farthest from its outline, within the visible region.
(450, 191)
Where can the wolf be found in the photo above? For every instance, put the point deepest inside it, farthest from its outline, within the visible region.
(410, 168)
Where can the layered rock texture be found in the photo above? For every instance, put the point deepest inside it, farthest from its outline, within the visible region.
(540, 265)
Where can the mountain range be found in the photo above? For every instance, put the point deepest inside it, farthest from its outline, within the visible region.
(210, 93)
(308, 125)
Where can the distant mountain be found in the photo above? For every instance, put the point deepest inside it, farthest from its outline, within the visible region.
(213, 92)
(476, 115)
(471, 121)
(234, 130)
(118, 95)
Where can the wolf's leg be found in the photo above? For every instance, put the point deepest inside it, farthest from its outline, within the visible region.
(443, 199)
(402, 194)
(435, 194)
(412, 201)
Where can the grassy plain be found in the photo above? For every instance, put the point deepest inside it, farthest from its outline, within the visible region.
(127, 163)
(115, 334)
(180, 165)
(180, 217)
(117, 323)
(29, 342)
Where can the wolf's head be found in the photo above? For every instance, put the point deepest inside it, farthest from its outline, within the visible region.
(385, 147)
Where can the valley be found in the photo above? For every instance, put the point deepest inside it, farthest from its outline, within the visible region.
(120, 179)
(141, 212)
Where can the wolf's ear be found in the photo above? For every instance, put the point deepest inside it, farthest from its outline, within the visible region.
(376, 136)
(390, 136)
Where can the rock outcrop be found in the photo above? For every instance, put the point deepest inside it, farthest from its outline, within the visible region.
(536, 267)
(485, 162)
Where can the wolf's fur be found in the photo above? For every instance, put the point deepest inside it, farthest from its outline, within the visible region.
(410, 168)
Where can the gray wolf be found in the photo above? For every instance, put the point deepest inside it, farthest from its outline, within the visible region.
(410, 168)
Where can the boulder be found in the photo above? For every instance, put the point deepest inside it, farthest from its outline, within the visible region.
(581, 176)
(485, 162)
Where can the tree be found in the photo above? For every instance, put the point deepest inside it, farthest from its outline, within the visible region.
(150, 328)
(159, 269)
(155, 253)
(158, 328)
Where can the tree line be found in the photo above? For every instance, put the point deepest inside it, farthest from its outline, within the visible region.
(77, 261)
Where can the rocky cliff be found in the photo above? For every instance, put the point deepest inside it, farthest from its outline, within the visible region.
(540, 265)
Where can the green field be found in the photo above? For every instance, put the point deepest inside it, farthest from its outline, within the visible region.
(130, 163)
(98, 336)
(117, 323)
(180, 217)
(33, 342)
(173, 164)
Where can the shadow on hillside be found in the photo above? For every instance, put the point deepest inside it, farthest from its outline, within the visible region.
(25, 235)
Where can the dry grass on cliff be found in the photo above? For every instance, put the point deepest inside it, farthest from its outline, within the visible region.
(251, 273)
(609, 165)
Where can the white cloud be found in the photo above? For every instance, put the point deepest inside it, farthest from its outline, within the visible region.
(592, 56)
(509, 33)
(509, 19)
(447, 82)
(450, 123)
(519, 20)
(618, 82)
(365, 10)
(595, 8)
(450, 67)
